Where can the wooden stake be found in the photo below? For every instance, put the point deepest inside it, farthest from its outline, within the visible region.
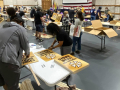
(34, 75)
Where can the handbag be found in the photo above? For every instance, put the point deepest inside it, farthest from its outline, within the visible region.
(79, 29)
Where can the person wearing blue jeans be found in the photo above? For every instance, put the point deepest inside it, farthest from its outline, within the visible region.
(78, 40)
(76, 37)
(92, 11)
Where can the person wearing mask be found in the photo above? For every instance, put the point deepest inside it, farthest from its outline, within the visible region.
(21, 8)
(92, 11)
(12, 13)
(78, 23)
(106, 14)
(38, 23)
(32, 13)
(83, 10)
(63, 39)
(71, 15)
(66, 22)
(98, 14)
(13, 40)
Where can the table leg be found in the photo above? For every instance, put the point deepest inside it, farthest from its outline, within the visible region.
(101, 43)
(55, 87)
(104, 41)
(66, 80)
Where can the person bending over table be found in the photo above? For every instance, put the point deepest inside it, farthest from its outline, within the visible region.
(110, 18)
(22, 13)
(13, 40)
(12, 14)
(98, 14)
(78, 22)
(106, 14)
(64, 41)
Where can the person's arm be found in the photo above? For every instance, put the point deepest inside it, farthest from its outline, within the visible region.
(42, 19)
(24, 41)
(59, 45)
(53, 43)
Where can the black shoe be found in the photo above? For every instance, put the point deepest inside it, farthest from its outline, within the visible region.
(77, 52)
(72, 53)
(41, 40)
(37, 38)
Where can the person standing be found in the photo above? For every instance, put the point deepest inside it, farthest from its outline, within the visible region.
(98, 14)
(38, 23)
(78, 23)
(16, 8)
(63, 39)
(110, 18)
(71, 15)
(13, 40)
(106, 14)
(66, 22)
(32, 13)
(21, 8)
(92, 12)
(4, 9)
(83, 10)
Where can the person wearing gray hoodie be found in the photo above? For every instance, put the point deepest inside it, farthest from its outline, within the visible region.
(13, 40)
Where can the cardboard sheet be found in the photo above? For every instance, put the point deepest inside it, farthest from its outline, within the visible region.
(114, 22)
(96, 24)
(31, 59)
(110, 33)
(72, 63)
(47, 55)
(117, 24)
(94, 32)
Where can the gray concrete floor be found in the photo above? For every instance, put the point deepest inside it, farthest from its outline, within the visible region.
(103, 72)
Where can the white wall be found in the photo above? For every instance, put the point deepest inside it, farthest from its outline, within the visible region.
(111, 8)
(19, 2)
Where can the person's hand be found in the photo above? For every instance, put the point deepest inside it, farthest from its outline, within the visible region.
(69, 23)
(74, 34)
(27, 56)
(50, 48)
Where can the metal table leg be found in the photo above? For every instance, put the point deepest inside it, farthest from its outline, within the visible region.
(55, 87)
(104, 42)
(101, 43)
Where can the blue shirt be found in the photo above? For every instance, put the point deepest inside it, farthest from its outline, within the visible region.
(92, 11)
(98, 11)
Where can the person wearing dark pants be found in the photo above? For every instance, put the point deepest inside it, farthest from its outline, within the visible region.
(98, 14)
(78, 40)
(92, 11)
(71, 15)
(63, 39)
(38, 23)
(110, 18)
(13, 40)
(78, 23)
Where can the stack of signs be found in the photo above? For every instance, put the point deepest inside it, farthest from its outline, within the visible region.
(31, 59)
(72, 63)
(58, 18)
(98, 29)
(54, 16)
(47, 55)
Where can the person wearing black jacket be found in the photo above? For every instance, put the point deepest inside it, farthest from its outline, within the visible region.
(32, 13)
(71, 15)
